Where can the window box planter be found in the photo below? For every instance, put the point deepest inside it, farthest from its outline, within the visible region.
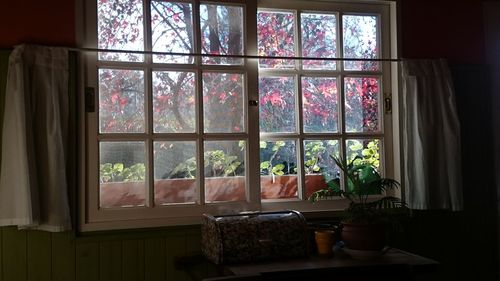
(172, 191)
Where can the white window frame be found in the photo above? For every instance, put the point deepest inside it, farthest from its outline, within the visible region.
(92, 218)
(386, 11)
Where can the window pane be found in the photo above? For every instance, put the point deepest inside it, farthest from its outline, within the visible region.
(278, 169)
(277, 104)
(122, 174)
(318, 163)
(361, 104)
(120, 27)
(172, 31)
(221, 33)
(361, 41)
(174, 102)
(121, 101)
(320, 104)
(363, 151)
(223, 102)
(175, 172)
(319, 40)
(276, 37)
(225, 171)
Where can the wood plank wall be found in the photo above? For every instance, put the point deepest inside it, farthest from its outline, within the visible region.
(140, 255)
(27, 255)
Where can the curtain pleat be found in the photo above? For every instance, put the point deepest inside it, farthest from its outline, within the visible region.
(431, 137)
(33, 183)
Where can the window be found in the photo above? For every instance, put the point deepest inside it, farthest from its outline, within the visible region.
(176, 132)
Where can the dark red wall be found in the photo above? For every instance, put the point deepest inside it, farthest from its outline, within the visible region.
(451, 29)
(48, 22)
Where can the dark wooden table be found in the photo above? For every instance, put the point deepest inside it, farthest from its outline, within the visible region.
(395, 264)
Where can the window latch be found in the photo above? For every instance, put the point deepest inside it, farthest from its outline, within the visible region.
(388, 105)
(253, 103)
(89, 99)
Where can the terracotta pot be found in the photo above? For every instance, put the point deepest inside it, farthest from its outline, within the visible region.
(324, 242)
(314, 182)
(366, 237)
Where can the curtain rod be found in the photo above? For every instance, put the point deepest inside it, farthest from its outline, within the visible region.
(78, 49)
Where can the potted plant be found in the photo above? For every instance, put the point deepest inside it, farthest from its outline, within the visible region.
(364, 227)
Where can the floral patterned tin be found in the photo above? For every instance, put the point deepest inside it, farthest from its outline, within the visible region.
(254, 236)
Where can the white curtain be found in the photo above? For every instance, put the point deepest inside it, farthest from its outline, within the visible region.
(431, 137)
(33, 185)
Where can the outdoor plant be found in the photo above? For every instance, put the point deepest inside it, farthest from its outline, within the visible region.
(267, 167)
(370, 153)
(362, 179)
(109, 172)
(216, 162)
(219, 164)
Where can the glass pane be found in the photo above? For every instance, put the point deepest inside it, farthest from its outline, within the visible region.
(175, 172)
(276, 37)
(121, 101)
(174, 102)
(320, 104)
(363, 151)
(223, 103)
(277, 104)
(278, 169)
(319, 40)
(319, 165)
(361, 41)
(120, 27)
(122, 174)
(172, 31)
(361, 104)
(225, 171)
(221, 33)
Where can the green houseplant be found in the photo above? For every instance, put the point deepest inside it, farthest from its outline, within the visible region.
(364, 225)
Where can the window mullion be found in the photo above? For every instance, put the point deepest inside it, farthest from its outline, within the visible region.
(300, 146)
(147, 30)
(252, 93)
(148, 98)
(200, 174)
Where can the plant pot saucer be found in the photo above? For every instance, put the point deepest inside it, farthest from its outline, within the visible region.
(364, 254)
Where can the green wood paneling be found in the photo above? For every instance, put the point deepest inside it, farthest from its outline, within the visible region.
(133, 260)
(154, 259)
(193, 242)
(63, 256)
(87, 261)
(14, 253)
(1, 254)
(176, 246)
(39, 255)
(110, 261)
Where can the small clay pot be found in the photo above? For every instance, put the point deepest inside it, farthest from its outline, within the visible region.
(324, 242)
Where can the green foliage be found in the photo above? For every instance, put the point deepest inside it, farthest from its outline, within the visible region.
(370, 154)
(362, 179)
(109, 172)
(313, 151)
(216, 162)
(266, 167)
(186, 168)
(221, 164)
